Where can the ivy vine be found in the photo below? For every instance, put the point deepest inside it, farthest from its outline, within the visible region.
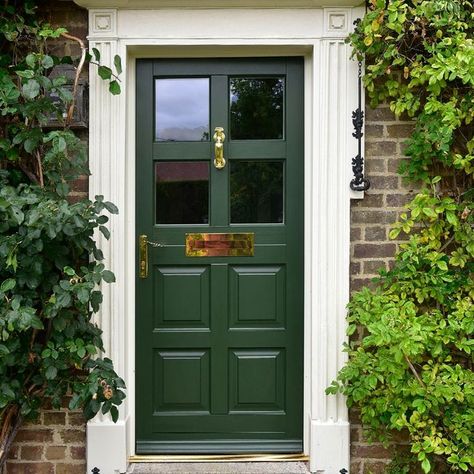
(410, 366)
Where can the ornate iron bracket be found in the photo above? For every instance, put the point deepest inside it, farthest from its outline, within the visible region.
(359, 182)
(344, 471)
(96, 470)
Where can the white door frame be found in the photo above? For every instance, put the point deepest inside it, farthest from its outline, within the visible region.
(330, 96)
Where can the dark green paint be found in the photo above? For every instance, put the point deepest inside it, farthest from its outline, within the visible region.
(219, 361)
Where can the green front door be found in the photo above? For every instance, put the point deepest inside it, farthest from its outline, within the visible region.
(219, 317)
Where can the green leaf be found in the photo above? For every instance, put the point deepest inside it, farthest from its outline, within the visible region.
(104, 72)
(7, 285)
(118, 64)
(105, 231)
(47, 62)
(96, 53)
(108, 276)
(31, 89)
(426, 465)
(114, 413)
(442, 265)
(114, 88)
(112, 208)
(51, 372)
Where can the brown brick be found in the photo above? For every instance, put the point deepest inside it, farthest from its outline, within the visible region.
(76, 418)
(380, 114)
(398, 200)
(375, 233)
(355, 435)
(55, 452)
(373, 216)
(369, 200)
(382, 148)
(372, 267)
(355, 268)
(29, 468)
(78, 452)
(70, 468)
(356, 467)
(14, 452)
(374, 467)
(358, 283)
(36, 434)
(372, 451)
(80, 185)
(54, 418)
(374, 250)
(393, 164)
(374, 165)
(356, 233)
(31, 453)
(384, 182)
(373, 131)
(400, 130)
(72, 436)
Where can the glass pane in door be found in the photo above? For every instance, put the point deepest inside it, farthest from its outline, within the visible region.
(182, 192)
(182, 109)
(256, 108)
(256, 192)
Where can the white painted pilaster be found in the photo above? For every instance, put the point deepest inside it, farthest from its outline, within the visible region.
(106, 162)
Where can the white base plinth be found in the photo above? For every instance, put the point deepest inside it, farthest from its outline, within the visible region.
(106, 447)
(329, 447)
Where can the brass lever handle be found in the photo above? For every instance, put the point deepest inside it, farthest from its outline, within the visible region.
(219, 137)
(143, 243)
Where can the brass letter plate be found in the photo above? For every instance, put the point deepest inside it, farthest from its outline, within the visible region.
(220, 245)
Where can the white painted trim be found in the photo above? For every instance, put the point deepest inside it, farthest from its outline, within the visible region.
(330, 95)
(215, 4)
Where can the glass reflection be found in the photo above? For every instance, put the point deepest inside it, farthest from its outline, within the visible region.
(182, 109)
(182, 192)
(256, 108)
(256, 192)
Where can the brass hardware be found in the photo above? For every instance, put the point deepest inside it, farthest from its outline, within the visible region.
(219, 137)
(152, 458)
(220, 245)
(143, 244)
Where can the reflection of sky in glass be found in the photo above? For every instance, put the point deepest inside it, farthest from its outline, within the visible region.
(182, 109)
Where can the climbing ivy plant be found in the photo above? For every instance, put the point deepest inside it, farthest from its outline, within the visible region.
(50, 265)
(410, 366)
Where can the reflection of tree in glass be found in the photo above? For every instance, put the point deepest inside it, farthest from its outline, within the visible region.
(256, 191)
(256, 109)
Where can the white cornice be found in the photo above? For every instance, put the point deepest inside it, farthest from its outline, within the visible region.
(177, 4)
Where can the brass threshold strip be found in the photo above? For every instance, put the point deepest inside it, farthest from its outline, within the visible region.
(218, 458)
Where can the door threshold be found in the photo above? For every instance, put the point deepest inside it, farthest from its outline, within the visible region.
(145, 458)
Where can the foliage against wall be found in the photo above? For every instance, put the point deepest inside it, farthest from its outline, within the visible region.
(50, 266)
(411, 368)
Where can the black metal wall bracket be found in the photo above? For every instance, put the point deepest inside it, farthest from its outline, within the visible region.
(359, 182)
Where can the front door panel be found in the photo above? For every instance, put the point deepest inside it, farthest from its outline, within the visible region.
(219, 319)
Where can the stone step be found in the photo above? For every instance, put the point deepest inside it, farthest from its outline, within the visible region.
(220, 468)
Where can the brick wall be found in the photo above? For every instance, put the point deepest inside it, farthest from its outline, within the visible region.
(55, 444)
(371, 249)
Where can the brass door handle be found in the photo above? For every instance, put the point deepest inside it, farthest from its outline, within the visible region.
(143, 244)
(219, 137)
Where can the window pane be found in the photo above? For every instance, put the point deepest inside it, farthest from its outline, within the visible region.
(182, 192)
(256, 108)
(182, 109)
(256, 192)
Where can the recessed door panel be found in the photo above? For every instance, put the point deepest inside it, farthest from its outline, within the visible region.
(257, 296)
(219, 307)
(182, 297)
(256, 380)
(181, 381)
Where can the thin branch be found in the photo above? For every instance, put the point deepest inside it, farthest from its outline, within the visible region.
(415, 373)
(78, 73)
(40, 169)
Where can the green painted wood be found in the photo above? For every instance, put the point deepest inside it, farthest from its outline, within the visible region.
(219, 359)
